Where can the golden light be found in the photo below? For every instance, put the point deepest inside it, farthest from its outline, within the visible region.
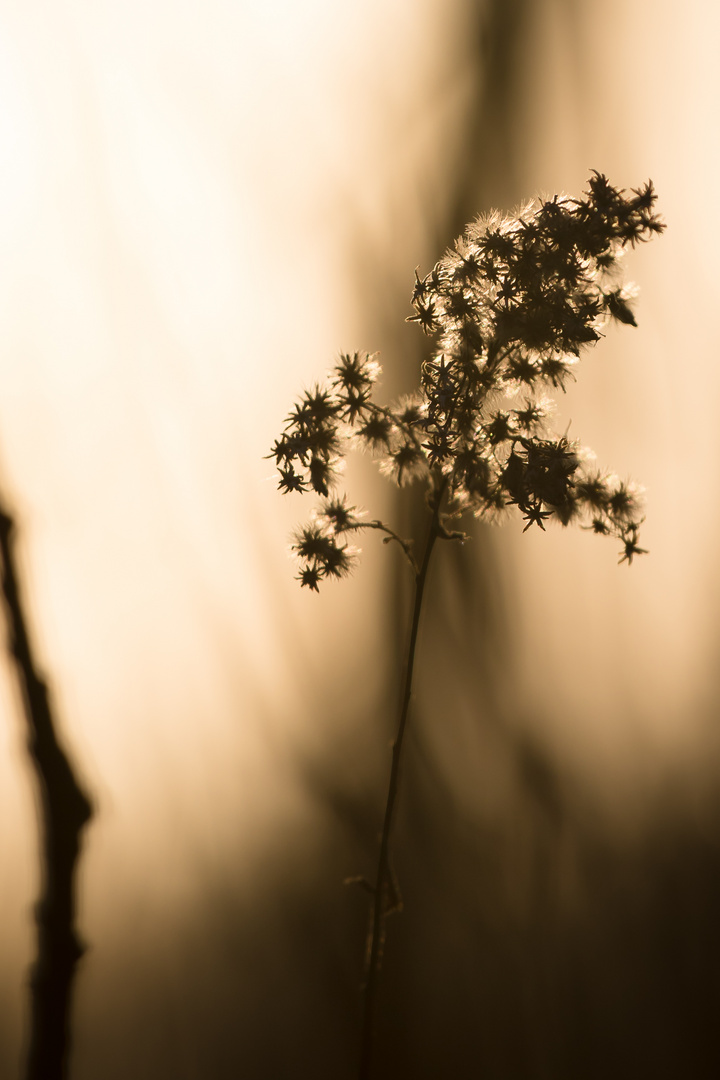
(200, 204)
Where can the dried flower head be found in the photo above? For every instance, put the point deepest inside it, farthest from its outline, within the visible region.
(512, 305)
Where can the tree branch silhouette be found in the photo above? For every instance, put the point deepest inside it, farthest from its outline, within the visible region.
(65, 810)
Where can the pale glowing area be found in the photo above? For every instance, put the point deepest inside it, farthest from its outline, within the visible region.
(18, 145)
(193, 197)
(646, 401)
(182, 184)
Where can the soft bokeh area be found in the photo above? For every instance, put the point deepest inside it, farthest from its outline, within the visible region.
(200, 205)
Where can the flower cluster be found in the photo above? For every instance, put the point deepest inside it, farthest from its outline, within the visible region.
(310, 450)
(512, 305)
(320, 545)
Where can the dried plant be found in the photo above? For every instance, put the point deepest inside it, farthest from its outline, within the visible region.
(512, 305)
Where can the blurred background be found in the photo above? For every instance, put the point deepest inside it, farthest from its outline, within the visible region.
(200, 205)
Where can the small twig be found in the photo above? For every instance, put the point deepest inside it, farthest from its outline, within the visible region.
(406, 545)
(65, 810)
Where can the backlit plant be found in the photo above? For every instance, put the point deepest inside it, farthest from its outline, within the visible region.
(511, 306)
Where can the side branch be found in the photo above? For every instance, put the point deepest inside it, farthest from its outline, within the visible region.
(64, 811)
(406, 545)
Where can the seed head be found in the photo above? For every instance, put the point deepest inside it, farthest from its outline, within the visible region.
(512, 305)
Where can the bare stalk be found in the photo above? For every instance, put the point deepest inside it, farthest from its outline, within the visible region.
(64, 812)
(383, 885)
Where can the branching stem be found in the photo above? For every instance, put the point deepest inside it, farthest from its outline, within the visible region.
(383, 884)
(406, 545)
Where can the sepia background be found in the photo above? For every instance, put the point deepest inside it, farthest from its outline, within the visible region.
(200, 205)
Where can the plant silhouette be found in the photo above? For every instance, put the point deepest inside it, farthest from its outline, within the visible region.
(512, 306)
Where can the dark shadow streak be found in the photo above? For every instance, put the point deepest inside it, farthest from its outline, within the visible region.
(65, 810)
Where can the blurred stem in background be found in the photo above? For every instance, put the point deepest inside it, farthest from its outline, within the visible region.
(65, 811)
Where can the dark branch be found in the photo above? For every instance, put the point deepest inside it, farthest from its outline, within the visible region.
(64, 811)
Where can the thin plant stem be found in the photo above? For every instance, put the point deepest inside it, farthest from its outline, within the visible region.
(64, 812)
(383, 879)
